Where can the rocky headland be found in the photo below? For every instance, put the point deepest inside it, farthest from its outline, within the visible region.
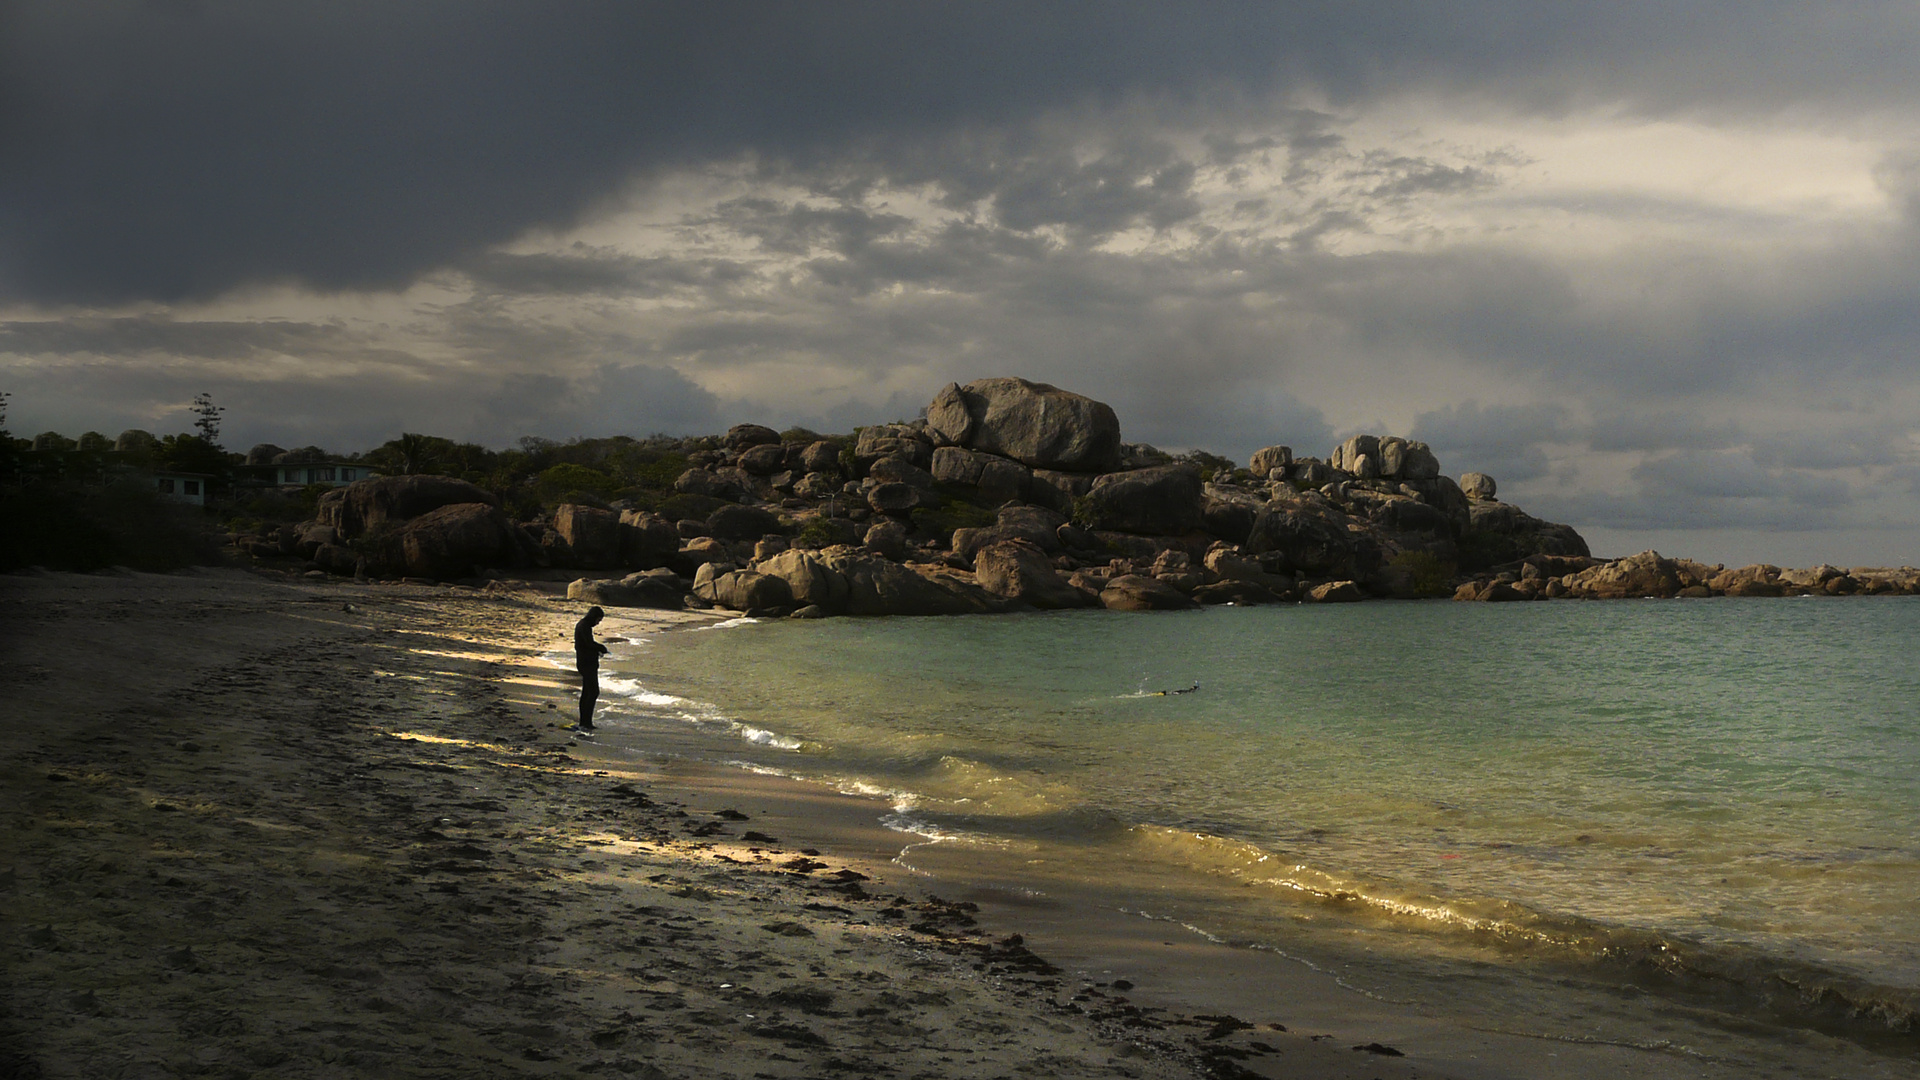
(1013, 495)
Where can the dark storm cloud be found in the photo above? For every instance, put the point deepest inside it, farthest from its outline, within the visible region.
(175, 151)
(1654, 429)
(159, 335)
(1505, 441)
(1853, 443)
(584, 271)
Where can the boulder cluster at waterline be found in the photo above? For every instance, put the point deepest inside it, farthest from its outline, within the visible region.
(1013, 495)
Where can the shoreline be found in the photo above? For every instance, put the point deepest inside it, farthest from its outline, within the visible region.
(293, 829)
(285, 829)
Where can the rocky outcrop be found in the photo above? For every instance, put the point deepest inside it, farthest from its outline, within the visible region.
(1500, 533)
(820, 456)
(1040, 426)
(1652, 575)
(1014, 494)
(647, 541)
(887, 539)
(1266, 460)
(1643, 575)
(1477, 485)
(810, 580)
(1335, 592)
(741, 437)
(460, 541)
(309, 537)
(1237, 593)
(752, 592)
(763, 460)
(899, 469)
(592, 535)
(997, 479)
(1385, 457)
(1160, 501)
(1033, 524)
(1019, 570)
(1306, 535)
(365, 505)
(1137, 592)
(710, 483)
(893, 498)
(889, 440)
(650, 589)
(878, 587)
(742, 523)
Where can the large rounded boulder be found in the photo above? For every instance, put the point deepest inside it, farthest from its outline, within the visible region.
(748, 590)
(1161, 501)
(810, 580)
(1019, 570)
(742, 523)
(878, 587)
(459, 541)
(743, 436)
(1137, 592)
(1040, 426)
(1037, 525)
(367, 504)
(1302, 537)
(660, 590)
(647, 541)
(592, 534)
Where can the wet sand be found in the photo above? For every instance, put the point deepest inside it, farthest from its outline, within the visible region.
(319, 829)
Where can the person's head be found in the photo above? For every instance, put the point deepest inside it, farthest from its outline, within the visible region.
(594, 614)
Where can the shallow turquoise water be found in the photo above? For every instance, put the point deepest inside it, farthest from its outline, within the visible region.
(1716, 801)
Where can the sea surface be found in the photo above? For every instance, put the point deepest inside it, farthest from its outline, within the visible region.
(1689, 825)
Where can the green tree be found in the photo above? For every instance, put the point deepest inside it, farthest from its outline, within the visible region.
(191, 453)
(207, 419)
(411, 454)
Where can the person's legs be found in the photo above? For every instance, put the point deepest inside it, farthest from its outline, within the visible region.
(589, 693)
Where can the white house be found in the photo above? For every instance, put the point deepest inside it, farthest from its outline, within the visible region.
(186, 487)
(330, 473)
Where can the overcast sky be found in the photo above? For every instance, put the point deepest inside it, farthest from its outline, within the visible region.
(1652, 266)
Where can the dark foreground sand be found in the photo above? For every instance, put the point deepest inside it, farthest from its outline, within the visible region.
(262, 828)
(251, 828)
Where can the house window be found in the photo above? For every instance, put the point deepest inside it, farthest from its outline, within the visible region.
(190, 487)
(291, 476)
(346, 474)
(166, 486)
(327, 474)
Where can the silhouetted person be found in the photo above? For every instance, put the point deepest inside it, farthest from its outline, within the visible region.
(586, 655)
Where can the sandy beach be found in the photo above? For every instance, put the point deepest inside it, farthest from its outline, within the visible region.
(258, 827)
